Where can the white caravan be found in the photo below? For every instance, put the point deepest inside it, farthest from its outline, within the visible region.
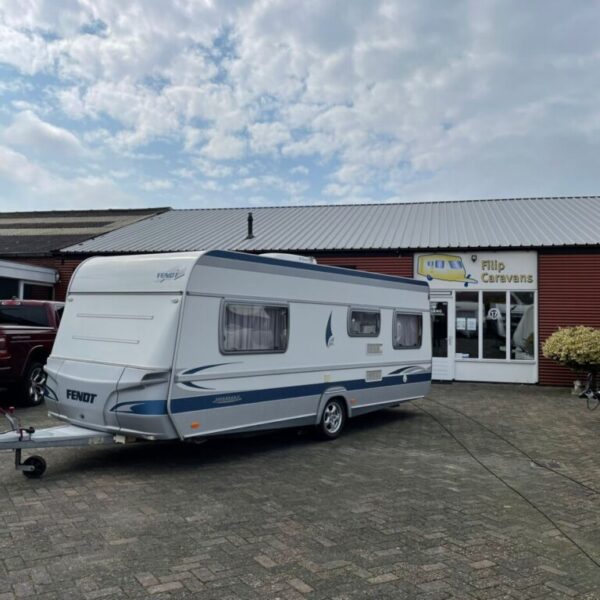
(185, 345)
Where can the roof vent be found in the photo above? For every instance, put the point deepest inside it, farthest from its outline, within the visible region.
(250, 226)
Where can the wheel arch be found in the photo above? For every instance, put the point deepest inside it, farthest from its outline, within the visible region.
(37, 353)
(330, 393)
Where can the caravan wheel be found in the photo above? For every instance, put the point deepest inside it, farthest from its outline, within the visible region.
(333, 419)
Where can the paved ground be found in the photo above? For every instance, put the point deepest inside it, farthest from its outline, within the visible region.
(396, 508)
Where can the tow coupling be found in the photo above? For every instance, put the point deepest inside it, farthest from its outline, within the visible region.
(18, 438)
(34, 466)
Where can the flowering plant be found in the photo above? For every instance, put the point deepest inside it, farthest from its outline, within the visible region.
(574, 347)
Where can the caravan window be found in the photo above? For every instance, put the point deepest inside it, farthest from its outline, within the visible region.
(408, 329)
(248, 328)
(363, 323)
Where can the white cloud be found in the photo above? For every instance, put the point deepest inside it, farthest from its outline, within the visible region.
(16, 168)
(223, 147)
(39, 188)
(29, 131)
(380, 99)
(154, 185)
(266, 138)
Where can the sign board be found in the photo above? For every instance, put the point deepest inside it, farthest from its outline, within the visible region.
(478, 270)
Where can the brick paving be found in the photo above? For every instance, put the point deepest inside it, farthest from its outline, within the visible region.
(396, 508)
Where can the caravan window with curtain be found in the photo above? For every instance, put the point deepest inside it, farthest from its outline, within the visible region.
(408, 329)
(249, 328)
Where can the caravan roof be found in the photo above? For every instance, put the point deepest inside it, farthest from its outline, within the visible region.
(156, 273)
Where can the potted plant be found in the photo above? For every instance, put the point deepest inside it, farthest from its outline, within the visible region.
(577, 348)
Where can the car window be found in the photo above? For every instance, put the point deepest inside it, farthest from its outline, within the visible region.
(24, 315)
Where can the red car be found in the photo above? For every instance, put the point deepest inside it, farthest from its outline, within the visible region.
(27, 332)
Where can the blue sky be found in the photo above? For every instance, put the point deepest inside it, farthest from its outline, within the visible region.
(205, 103)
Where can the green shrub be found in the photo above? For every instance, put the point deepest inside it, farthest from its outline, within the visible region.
(576, 347)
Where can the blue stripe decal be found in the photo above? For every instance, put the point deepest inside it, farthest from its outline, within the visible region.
(310, 267)
(143, 407)
(204, 367)
(235, 398)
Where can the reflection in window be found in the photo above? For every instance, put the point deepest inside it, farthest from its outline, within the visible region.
(439, 329)
(9, 288)
(522, 325)
(31, 291)
(494, 324)
(467, 324)
(364, 323)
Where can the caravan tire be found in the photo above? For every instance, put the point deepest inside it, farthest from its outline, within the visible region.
(333, 419)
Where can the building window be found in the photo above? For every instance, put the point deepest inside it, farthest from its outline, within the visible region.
(467, 324)
(9, 288)
(254, 328)
(494, 324)
(34, 291)
(407, 330)
(507, 331)
(522, 325)
(363, 323)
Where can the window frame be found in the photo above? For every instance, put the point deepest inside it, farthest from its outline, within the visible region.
(365, 310)
(412, 314)
(264, 303)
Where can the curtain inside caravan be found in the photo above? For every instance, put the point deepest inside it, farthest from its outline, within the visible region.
(255, 328)
(407, 330)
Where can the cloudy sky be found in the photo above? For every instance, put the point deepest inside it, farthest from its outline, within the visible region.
(197, 103)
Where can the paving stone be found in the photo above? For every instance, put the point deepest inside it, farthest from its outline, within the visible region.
(164, 587)
(299, 585)
(395, 509)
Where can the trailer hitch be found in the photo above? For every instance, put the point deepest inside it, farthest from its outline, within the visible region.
(34, 466)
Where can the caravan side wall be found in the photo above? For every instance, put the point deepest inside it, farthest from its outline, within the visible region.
(216, 391)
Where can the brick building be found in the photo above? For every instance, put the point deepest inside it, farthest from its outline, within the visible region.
(503, 274)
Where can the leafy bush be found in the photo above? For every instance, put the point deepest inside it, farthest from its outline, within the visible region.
(575, 347)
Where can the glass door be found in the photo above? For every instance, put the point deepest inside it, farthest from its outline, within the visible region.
(442, 340)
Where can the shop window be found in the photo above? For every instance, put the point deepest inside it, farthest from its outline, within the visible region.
(253, 328)
(494, 324)
(467, 324)
(522, 325)
(408, 330)
(363, 323)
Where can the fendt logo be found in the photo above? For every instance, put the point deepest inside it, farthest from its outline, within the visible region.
(170, 275)
(81, 396)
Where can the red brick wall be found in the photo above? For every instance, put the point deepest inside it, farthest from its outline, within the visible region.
(569, 294)
(64, 266)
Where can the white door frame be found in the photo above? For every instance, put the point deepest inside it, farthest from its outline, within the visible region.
(443, 368)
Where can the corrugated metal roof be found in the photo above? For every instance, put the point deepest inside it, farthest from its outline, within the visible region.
(39, 233)
(510, 223)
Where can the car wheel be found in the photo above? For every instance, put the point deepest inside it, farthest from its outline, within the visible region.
(34, 384)
(333, 419)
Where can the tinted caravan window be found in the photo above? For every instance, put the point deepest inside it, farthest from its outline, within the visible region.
(364, 323)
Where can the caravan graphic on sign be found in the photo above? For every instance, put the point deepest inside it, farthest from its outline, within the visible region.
(444, 267)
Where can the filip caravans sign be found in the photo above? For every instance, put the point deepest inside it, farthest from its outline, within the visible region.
(478, 270)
